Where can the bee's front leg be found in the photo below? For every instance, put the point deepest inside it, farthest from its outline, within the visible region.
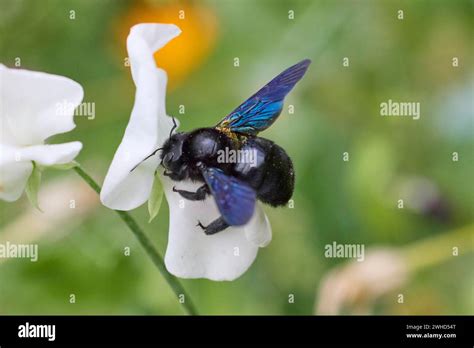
(214, 227)
(199, 195)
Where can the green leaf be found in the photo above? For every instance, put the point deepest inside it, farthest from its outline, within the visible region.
(32, 186)
(65, 166)
(155, 199)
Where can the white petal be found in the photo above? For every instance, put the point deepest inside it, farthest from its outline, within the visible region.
(16, 164)
(35, 105)
(13, 178)
(148, 127)
(261, 233)
(192, 254)
(48, 155)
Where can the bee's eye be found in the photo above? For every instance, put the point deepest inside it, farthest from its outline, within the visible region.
(168, 158)
(171, 161)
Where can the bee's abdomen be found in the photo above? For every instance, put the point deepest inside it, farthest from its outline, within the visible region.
(270, 172)
(278, 182)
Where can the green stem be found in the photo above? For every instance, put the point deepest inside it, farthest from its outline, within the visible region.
(148, 246)
(429, 252)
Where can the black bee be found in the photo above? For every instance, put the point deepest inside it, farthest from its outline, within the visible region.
(263, 170)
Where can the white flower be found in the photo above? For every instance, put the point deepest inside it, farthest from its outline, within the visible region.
(356, 286)
(190, 253)
(30, 112)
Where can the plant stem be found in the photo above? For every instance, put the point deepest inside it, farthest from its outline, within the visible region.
(437, 249)
(148, 246)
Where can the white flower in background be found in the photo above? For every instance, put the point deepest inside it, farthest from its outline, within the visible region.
(190, 253)
(30, 113)
(354, 287)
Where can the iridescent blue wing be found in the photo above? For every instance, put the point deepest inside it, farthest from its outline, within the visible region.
(234, 198)
(262, 109)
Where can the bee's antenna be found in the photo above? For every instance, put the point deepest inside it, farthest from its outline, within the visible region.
(174, 126)
(154, 152)
(147, 157)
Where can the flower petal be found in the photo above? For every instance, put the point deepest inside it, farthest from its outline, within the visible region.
(260, 233)
(192, 254)
(148, 127)
(48, 155)
(35, 105)
(13, 178)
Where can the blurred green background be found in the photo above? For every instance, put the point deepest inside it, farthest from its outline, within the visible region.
(336, 111)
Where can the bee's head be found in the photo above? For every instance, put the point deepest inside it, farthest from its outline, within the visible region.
(172, 152)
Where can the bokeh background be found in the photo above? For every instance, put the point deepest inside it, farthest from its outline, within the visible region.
(336, 110)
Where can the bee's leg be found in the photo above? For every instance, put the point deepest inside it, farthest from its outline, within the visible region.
(199, 195)
(217, 225)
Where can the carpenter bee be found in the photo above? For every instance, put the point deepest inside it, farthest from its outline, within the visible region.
(263, 170)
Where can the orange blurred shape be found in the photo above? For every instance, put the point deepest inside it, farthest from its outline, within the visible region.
(186, 52)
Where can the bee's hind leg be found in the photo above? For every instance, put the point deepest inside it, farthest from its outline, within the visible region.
(214, 227)
(199, 195)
